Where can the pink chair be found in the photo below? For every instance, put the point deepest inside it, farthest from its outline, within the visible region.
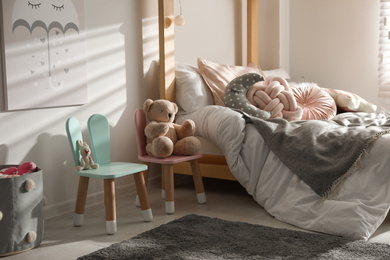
(167, 165)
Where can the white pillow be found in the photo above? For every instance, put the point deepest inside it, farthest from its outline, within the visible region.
(190, 89)
(277, 73)
(350, 102)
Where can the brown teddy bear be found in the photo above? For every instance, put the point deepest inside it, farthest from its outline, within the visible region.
(165, 137)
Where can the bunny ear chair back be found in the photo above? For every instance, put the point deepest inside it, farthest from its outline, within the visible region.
(99, 132)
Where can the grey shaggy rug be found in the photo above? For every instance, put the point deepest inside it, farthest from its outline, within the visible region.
(199, 237)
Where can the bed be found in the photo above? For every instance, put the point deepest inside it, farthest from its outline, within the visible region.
(234, 149)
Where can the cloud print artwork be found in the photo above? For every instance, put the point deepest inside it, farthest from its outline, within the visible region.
(44, 53)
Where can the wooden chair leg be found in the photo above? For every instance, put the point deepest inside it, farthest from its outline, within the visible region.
(162, 182)
(143, 196)
(109, 201)
(169, 188)
(81, 200)
(198, 182)
(146, 177)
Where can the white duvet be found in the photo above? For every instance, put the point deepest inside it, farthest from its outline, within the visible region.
(360, 207)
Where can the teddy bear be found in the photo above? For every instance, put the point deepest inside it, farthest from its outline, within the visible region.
(86, 161)
(165, 137)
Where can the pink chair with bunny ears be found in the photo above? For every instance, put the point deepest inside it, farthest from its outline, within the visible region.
(167, 165)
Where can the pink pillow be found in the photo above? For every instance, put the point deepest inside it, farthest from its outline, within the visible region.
(254, 65)
(218, 76)
(316, 103)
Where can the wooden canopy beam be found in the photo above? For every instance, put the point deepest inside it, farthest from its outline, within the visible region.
(167, 50)
(253, 31)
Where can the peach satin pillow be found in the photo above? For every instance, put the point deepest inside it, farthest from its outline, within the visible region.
(218, 76)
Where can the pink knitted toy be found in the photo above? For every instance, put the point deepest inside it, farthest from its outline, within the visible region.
(274, 95)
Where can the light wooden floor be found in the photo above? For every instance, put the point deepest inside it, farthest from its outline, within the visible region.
(225, 199)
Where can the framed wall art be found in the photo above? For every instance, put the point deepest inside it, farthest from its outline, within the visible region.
(44, 54)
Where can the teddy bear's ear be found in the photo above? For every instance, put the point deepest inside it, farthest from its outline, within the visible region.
(148, 103)
(80, 143)
(176, 107)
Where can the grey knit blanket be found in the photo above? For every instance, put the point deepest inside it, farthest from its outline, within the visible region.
(322, 153)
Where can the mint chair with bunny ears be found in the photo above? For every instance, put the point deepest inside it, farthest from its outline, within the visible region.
(99, 133)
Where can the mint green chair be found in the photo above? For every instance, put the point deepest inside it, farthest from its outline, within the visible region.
(99, 132)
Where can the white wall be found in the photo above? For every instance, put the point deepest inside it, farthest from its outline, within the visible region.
(216, 30)
(269, 34)
(209, 32)
(335, 43)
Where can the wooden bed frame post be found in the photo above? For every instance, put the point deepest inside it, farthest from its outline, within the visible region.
(253, 31)
(213, 166)
(167, 50)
